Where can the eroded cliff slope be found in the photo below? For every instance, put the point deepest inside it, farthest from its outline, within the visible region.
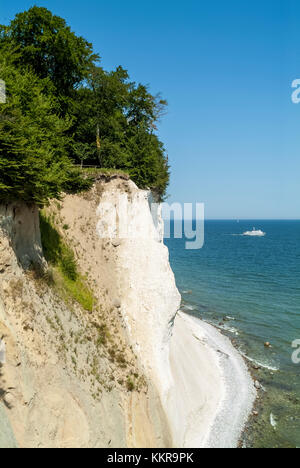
(72, 377)
(102, 358)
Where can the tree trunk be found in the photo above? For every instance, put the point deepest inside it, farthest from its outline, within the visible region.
(98, 144)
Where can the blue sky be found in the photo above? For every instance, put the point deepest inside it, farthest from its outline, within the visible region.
(226, 68)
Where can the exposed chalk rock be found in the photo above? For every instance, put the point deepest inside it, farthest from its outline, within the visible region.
(116, 231)
(20, 223)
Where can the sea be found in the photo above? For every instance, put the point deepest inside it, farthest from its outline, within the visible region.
(249, 288)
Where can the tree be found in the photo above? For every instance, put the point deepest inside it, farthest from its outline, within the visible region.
(148, 165)
(125, 114)
(34, 164)
(83, 151)
(50, 48)
(98, 117)
(144, 109)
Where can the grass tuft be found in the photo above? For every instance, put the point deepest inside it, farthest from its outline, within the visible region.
(130, 384)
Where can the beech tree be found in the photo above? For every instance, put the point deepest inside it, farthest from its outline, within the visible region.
(49, 47)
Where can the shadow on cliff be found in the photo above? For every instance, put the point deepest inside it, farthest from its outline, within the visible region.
(3, 391)
(20, 225)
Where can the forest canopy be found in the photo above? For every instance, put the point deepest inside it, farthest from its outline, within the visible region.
(63, 110)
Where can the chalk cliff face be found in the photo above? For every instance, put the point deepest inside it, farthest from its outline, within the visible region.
(44, 402)
(194, 372)
(149, 299)
(131, 270)
(131, 372)
(58, 388)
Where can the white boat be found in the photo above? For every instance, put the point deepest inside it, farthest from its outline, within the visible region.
(254, 232)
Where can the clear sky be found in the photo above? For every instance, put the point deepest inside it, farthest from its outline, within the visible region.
(226, 68)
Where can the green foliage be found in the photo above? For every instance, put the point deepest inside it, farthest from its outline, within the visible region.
(148, 166)
(49, 47)
(61, 257)
(130, 384)
(34, 163)
(126, 115)
(55, 250)
(79, 292)
(93, 172)
(84, 151)
(68, 264)
(62, 108)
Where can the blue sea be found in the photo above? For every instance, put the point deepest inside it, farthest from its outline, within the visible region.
(249, 287)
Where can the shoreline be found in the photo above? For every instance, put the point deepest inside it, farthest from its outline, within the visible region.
(213, 391)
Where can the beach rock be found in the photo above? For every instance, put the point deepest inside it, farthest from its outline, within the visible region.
(257, 385)
(117, 303)
(9, 399)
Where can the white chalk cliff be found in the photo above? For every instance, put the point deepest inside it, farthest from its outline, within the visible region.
(149, 299)
(200, 393)
(187, 399)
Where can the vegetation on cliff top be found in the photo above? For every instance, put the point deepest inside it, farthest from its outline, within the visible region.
(63, 108)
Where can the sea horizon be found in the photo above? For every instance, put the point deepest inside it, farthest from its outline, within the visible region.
(236, 219)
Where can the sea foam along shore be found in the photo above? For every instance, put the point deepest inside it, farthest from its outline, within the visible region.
(213, 390)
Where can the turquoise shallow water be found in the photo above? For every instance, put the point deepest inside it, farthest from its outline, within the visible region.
(250, 288)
